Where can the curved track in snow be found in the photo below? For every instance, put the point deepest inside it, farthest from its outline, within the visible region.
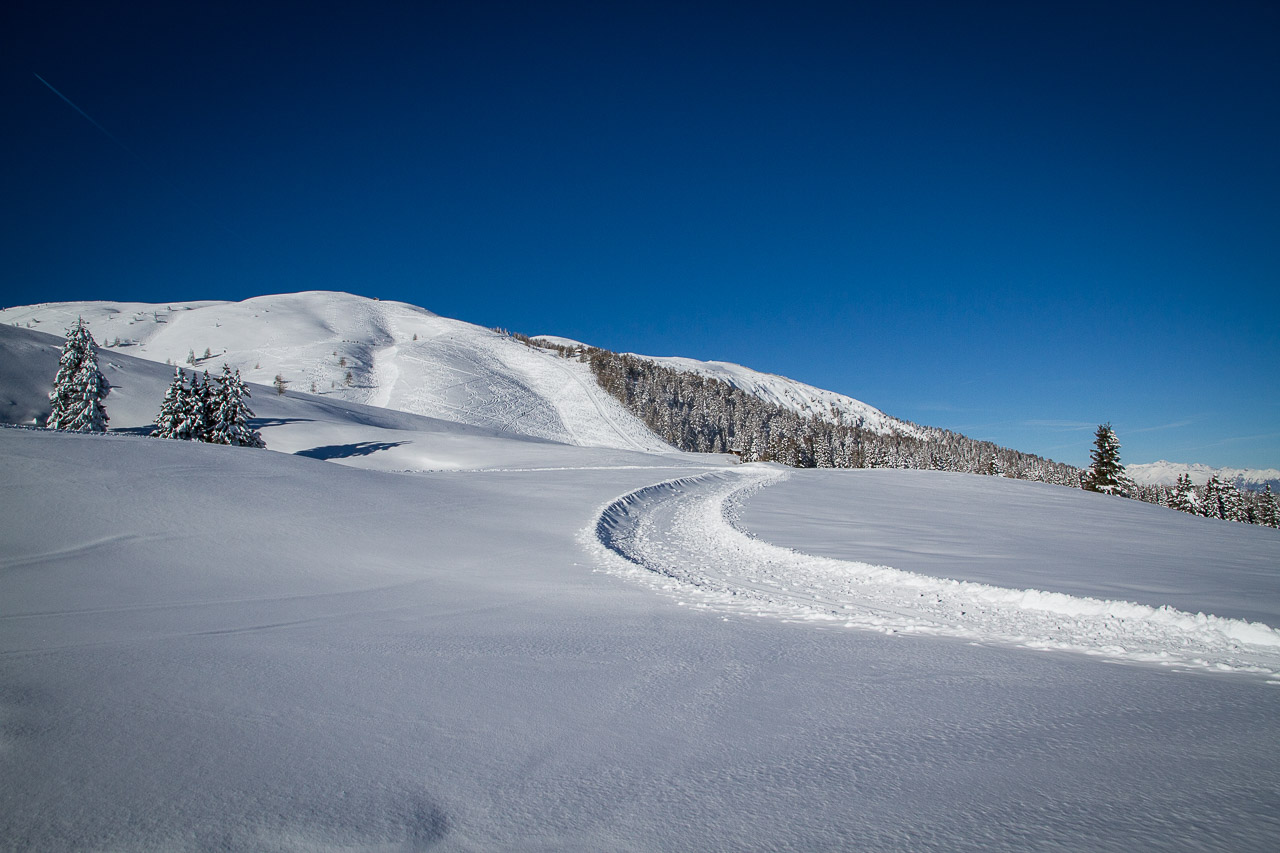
(678, 536)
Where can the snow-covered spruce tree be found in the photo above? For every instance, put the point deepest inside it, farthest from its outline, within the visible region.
(230, 418)
(1106, 474)
(1219, 499)
(1233, 504)
(1268, 512)
(173, 420)
(1183, 497)
(195, 425)
(79, 387)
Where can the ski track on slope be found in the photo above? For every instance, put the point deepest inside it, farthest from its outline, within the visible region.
(678, 536)
(595, 402)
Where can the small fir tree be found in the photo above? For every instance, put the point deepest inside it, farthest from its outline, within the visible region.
(195, 426)
(173, 420)
(1268, 513)
(208, 405)
(1229, 502)
(1106, 474)
(79, 386)
(280, 382)
(230, 420)
(1212, 502)
(1183, 497)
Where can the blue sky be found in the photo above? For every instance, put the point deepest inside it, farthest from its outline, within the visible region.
(1015, 220)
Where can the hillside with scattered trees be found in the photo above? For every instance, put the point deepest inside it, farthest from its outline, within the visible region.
(706, 415)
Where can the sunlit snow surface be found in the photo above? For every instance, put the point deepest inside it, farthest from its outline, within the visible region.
(219, 648)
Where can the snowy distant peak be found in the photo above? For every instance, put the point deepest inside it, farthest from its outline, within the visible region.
(805, 400)
(1165, 473)
(798, 397)
(557, 341)
(387, 354)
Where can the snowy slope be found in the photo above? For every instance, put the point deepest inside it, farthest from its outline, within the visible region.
(451, 370)
(790, 394)
(399, 356)
(238, 649)
(777, 390)
(224, 648)
(534, 645)
(1164, 473)
(678, 536)
(318, 426)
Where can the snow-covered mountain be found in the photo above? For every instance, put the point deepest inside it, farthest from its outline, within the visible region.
(403, 357)
(385, 354)
(806, 400)
(803, 399)
(1164, 473)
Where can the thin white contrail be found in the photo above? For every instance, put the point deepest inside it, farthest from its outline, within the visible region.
(138, 157)
(88, 117)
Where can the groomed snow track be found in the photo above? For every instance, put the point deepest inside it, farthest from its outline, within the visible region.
(679, 536)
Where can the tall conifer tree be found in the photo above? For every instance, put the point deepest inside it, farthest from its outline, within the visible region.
(230, 416)
(1106, 474)
(173, 420)
(79, 386)
(1183, 497)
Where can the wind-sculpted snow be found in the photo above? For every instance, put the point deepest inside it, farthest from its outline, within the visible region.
(679, 536)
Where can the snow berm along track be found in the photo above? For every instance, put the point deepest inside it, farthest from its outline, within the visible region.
(679, 536)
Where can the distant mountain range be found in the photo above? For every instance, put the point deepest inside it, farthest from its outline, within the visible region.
(1164, 473)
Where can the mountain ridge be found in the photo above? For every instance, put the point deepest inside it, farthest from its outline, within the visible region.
(1165, 473)
(387, 354)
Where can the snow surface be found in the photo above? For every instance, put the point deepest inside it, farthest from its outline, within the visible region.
(523, 644)
(1009, 533)
(1164, 473)
(679, 536)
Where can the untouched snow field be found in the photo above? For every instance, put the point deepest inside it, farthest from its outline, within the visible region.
(460, 638)
(1009, 533)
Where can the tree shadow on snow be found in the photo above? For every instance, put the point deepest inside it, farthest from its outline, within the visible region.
(347, 451)
(259, 423)
(138, 430)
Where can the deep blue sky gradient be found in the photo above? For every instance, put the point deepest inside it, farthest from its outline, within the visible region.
(1015, 220)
